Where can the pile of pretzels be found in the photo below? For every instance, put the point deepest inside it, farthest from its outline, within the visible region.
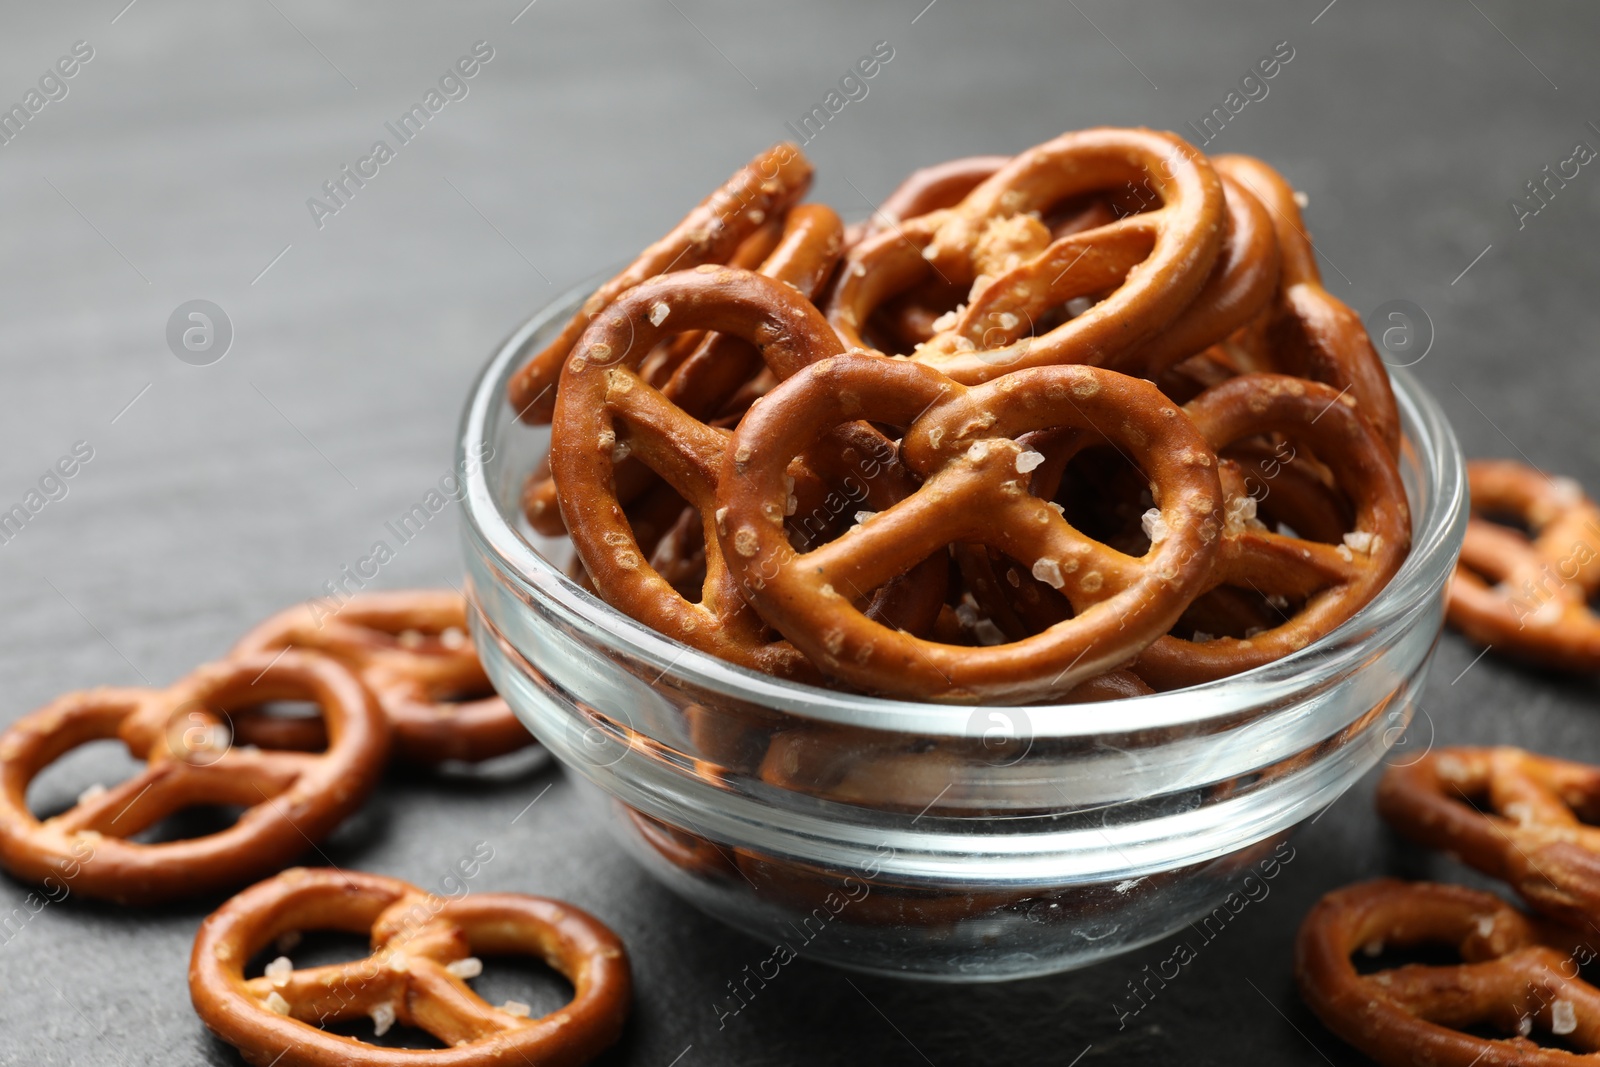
(1518, 990)
(390, 674)
(1076, 424)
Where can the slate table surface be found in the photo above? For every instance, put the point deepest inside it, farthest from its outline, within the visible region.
(178, 167)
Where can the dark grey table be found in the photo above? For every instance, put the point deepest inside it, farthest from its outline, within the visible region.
(178, 166)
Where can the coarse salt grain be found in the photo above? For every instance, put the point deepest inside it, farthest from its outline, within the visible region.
(659, 312)
(1373, 948)
(382, 1019)
(89, 794)
(1201, 637)
(470, 967)
(453, 638)
(1563, 1017)
(863, 517)
(1525, 1026)
(278, 972)
(1155, 527)
(517, 1008)
(1345, 554)
(1359, 541)
(276, 1003)
(398, 963)
(1029, 460)
(1048, 571)
(1485, 925)
(409, 638)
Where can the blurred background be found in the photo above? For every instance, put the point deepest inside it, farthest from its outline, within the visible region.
(240, 472)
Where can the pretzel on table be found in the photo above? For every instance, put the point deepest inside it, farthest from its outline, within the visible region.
(1153, 263)
(962, 443)
(1537, 606)
(291, 799)
(1310, 332)
(715, 368)
(1516, 976)
(601, 389)
(711, 233)
(414, 653)
(422, 955)
(1335, 581)
(1523, 818)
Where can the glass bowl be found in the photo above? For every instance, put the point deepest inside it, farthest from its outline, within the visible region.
(928, 840)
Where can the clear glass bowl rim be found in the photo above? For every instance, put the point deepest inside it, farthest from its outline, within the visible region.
(1435, 544)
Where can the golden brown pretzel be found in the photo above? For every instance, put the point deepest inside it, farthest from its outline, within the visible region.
(1538, 604)
(711, 373)
(1516, 976)
(1310, 332)
(962, 443)
(1525, 819)
(291, 799)
(711, 233)
(412, 650)
(1336, 581)
(1152, 263)
(414, 976)
(603, 390)
(1241, 285)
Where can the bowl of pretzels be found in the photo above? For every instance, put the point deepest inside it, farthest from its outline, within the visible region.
(976, 591)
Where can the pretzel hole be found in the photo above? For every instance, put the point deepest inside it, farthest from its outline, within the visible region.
(186, 824)
(1229, 611)
(524, 979)
(80, 772)
(292, 725)
(1390, 956)
(1105, 495)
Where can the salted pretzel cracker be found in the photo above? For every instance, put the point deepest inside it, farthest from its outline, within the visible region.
(1528, 597)
(412, 650)
(1310, 332)
(1240, 287)
(711, 233)
(423, 952)
(1335, 581)
(1516, 976)
(1152, 263)
(962, 443)
(291, 799)
(1523, 818)
(714, 370)
(607, 403)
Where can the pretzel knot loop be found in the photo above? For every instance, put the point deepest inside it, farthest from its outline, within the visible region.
(1522, 818)
(1517, 976)
(290, 799)
(412, 650)
(1530, 597)
(1332, 581)
(1153, 262)
(409, 978)
(607, 411)
(975, 487)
